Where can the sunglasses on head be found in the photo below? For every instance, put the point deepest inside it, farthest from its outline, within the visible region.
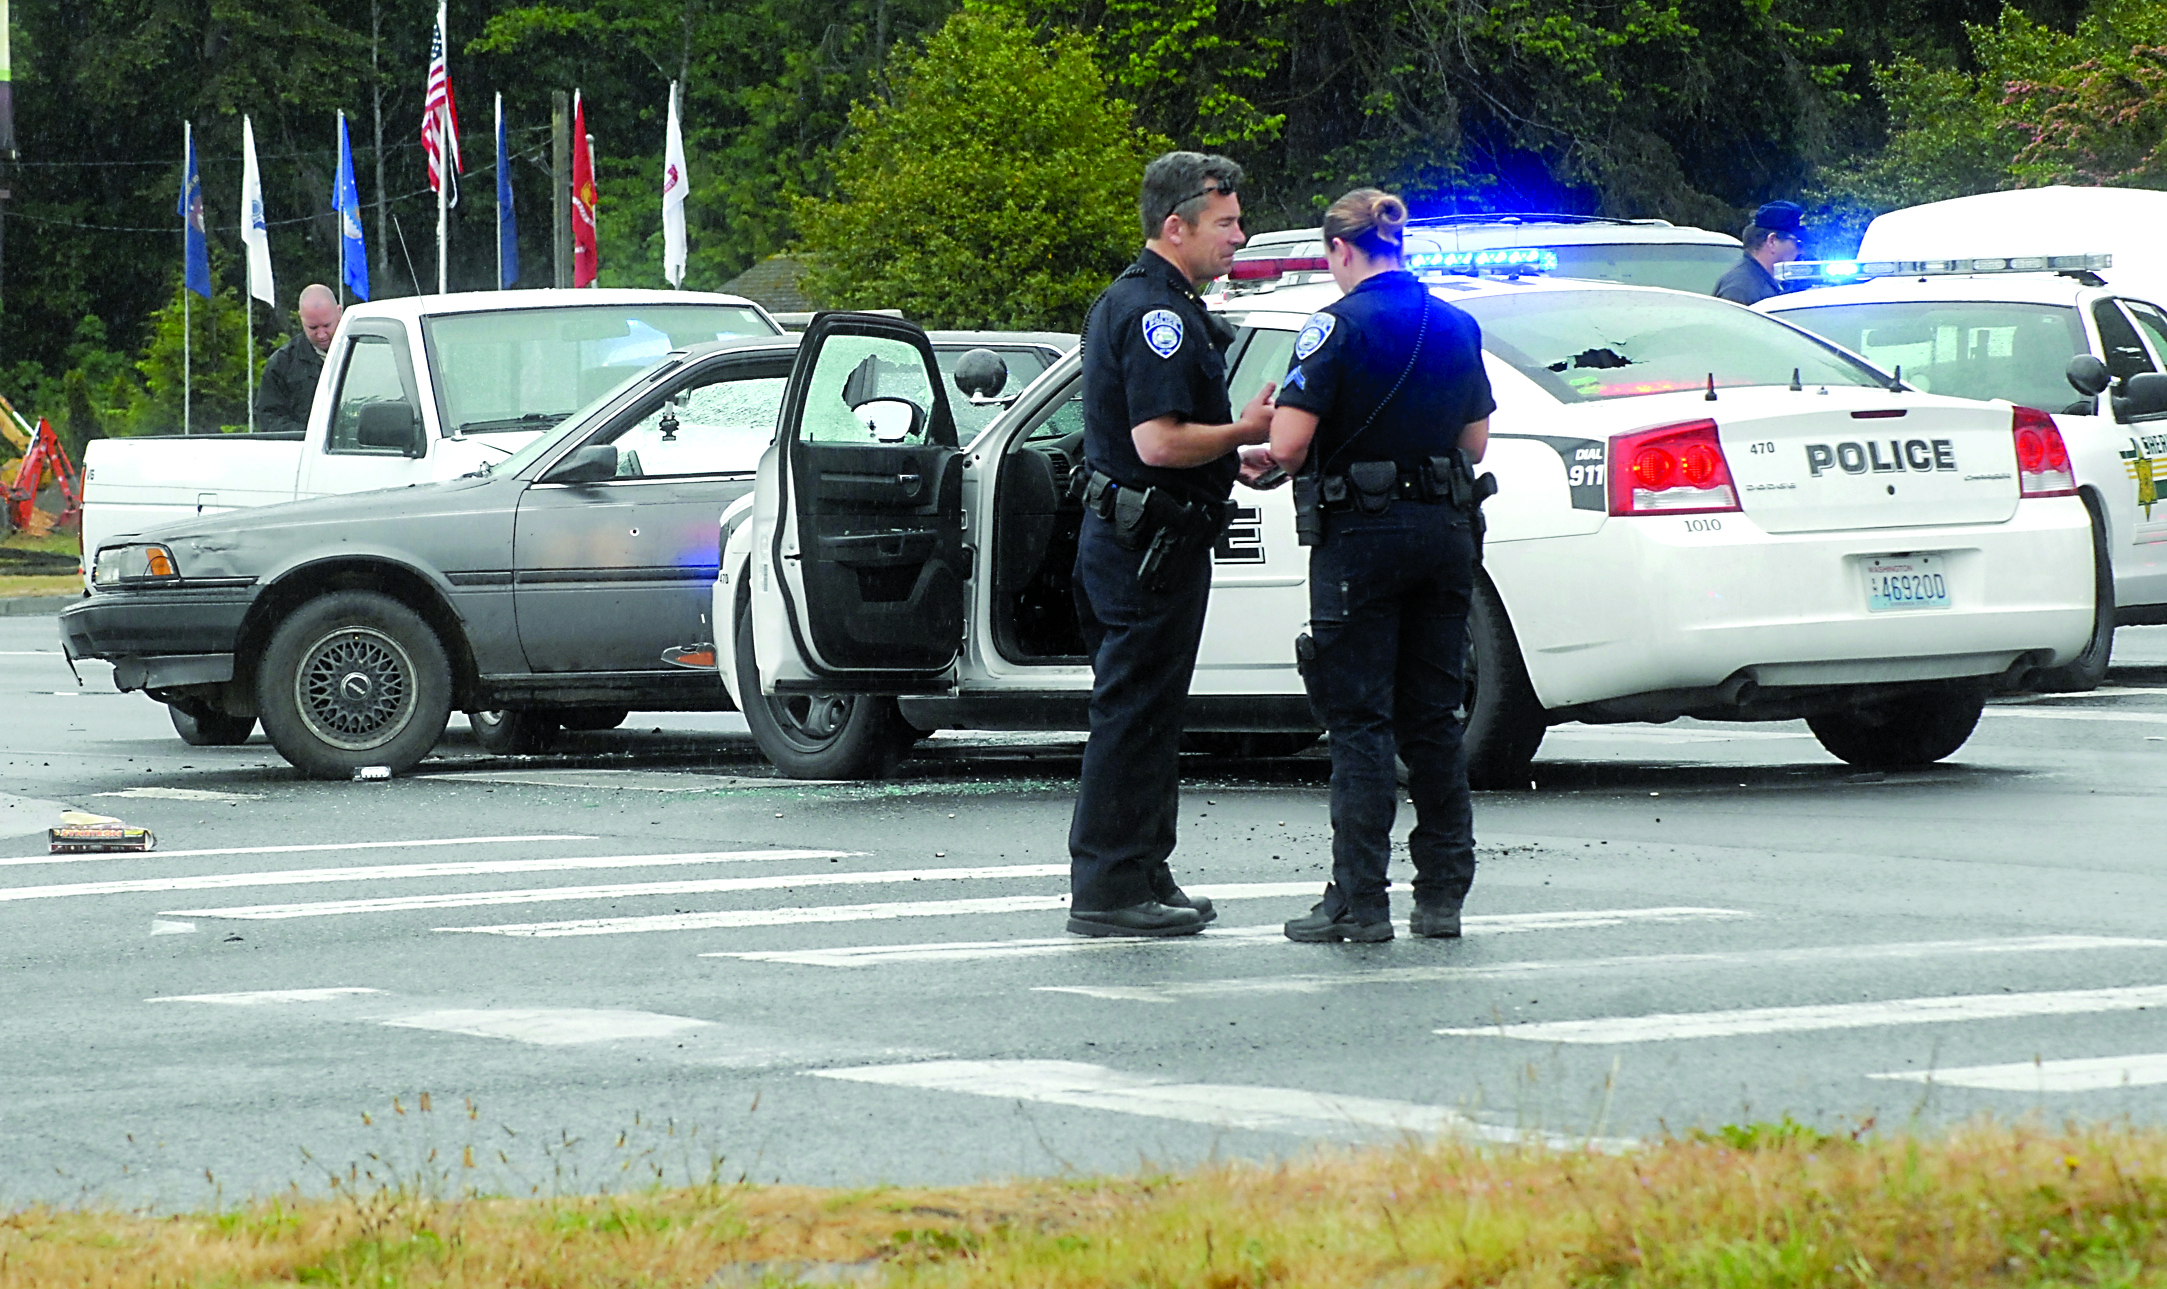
(1226, 189)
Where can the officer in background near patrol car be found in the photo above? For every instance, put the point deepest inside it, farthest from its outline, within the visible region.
(1771, 239)
(1382, 413)
(1160, 458)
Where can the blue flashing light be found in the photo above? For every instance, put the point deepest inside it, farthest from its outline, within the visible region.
(1843, 268)
(1524, 259)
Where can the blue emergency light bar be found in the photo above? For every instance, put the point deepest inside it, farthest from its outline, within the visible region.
(1513, 259)
(1829, 272)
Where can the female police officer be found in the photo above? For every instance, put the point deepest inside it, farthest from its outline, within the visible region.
(1385, 392)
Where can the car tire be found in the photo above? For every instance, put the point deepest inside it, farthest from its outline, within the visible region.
(1252, 746)
(1504, 722)
(353, 679)
(1917, 729)
(2089, 669)
(205, 728)
(517, 731)
(821, 736)
(593, 720)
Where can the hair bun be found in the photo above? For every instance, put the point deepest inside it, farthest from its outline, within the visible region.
(1372, 220)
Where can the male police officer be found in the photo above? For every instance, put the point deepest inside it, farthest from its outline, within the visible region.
(288, 390)
(1771, 239)
(1385, 405)
(1160, 446)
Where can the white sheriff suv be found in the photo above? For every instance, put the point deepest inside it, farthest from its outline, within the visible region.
(1937, 294)
(1680, 530)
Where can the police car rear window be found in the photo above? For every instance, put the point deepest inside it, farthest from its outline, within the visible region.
(1962, 348)
(1589, 346)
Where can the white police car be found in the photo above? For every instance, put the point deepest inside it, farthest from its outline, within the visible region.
(1702, 512)
(2065, 333)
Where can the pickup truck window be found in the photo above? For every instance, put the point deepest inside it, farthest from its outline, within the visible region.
(718, 428)
(856, 370)
(528, 369)
(371, 376)
(1962, 348)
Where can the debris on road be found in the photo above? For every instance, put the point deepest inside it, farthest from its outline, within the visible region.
(83, 833)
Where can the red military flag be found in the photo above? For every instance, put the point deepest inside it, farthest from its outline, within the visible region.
(585, 262)
(440, 115)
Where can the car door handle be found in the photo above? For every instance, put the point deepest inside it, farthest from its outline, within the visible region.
(911, 484)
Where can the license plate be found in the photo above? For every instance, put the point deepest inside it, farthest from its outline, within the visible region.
(1901, 584)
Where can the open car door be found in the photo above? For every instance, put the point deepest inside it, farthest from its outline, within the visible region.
(860, 564)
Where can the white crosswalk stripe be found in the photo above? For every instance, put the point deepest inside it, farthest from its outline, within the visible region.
(966, 951)
(1834, 953)
(619, 891)
(1668, 1027)
(2086, 1074)
(391, 872)
(1220, 1105)
(851, 912)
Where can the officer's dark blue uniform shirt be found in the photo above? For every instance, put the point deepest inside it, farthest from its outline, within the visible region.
(1348, 356)
(1746, 282)
(1147, 353)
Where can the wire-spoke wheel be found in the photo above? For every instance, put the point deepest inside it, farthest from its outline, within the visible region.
(354, 679)
(355, 688)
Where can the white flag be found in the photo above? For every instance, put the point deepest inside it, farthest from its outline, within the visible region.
(255, 233)
(673, 198)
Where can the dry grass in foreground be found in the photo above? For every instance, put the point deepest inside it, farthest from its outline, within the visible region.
(64, 584)
(1770, 1205)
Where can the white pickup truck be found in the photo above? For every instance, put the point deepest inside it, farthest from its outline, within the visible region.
(415, 390)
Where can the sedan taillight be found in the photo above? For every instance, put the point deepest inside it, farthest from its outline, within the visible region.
(2043, 468)
(1670, 470)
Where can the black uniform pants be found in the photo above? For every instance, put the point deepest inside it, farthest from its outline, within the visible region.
(1143, 651)
(1388, 597)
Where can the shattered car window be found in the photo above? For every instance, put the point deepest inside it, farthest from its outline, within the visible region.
(1586, 346)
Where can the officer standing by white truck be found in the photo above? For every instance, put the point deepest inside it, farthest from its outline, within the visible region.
(1160, 443)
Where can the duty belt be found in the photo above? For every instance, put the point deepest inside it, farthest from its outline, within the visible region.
(1153, 521)
(1372, 486)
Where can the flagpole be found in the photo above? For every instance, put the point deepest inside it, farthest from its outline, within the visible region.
(500, 171)
(188, 152)
(341, 274)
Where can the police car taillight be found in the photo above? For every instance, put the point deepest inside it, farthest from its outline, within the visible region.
(1670, 470)
(2043, 468)
(1262, 268)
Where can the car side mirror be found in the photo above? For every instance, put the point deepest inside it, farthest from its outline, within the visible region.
(590, 464)
(890, 420)
(981, 374)
(2087, 374)
(391, 427)
(2146, 396)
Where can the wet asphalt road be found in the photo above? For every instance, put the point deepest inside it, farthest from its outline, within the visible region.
(643, 958)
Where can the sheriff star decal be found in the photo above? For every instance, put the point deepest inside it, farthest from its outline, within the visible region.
(1162, 331)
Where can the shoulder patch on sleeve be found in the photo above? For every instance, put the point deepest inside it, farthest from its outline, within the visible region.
(1162, 331)
(1314, 333)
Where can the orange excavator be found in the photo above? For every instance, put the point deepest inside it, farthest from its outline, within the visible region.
(44, 460)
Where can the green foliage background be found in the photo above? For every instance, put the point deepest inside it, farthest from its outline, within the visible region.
(975, 165)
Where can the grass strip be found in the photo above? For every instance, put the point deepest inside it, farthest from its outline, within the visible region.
(14, 587)
(1765, 1205)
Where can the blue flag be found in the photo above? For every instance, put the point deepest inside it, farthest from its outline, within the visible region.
(190, 209)
(346, 197)
(507, 218)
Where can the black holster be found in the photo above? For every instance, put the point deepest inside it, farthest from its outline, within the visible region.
(1151, 520)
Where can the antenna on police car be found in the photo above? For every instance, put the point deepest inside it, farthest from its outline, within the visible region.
(1711, 388)
(1896, 385)
(1797, 386)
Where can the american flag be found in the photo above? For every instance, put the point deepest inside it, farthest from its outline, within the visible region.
(439, 116)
